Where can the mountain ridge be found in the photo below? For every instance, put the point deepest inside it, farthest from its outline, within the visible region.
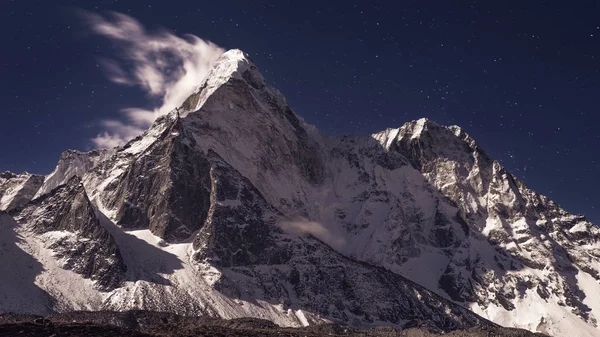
(272, 198)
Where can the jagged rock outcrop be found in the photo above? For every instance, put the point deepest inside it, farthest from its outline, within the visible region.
(165, 188)
(66, 220)
(18, 189)
(240, 227)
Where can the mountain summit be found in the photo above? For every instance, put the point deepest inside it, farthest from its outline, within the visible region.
(232, 206)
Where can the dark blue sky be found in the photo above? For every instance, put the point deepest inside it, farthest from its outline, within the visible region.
(522, 77)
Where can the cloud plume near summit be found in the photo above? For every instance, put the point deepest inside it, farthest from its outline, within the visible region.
(165, 66)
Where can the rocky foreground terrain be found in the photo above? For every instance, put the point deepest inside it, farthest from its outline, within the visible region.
(153, 324)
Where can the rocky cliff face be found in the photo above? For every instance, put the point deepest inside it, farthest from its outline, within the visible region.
(17, 190)
(66, 221)
(232, 206)
(166, 188)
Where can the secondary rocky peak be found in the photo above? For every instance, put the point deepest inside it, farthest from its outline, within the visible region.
(409, 130)
(418, 127)
(425, 143)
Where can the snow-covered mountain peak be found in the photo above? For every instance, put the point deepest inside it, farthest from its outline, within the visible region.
(416, 128)
(412, 130)
(234, 57)
(233, 64)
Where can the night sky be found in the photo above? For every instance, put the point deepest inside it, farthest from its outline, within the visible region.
(521, 77)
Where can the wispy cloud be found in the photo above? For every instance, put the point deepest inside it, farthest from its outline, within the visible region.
(167, 67)
(303, 226)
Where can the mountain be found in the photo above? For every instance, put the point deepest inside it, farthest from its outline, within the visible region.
(232, 206)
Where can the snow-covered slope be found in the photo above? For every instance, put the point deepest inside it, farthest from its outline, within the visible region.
(232, 206)
(18, 272)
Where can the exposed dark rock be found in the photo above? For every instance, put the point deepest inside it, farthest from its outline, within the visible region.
(155, 324)
(238, 229)
(166, 190)
(88, 248)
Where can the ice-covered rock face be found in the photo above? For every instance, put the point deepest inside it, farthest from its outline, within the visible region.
(231, 205)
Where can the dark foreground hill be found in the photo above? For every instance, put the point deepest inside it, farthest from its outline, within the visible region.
(153, 324)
